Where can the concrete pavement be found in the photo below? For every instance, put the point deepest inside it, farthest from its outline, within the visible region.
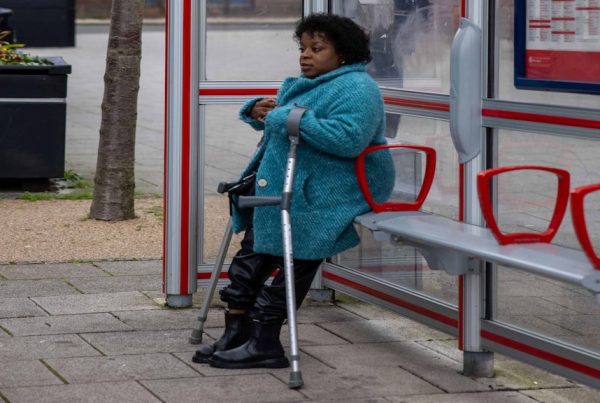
(99, 331)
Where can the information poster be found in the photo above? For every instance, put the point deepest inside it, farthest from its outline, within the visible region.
(559, 40)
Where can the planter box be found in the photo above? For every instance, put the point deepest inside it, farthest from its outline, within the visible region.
(32, 128)
(43, 23)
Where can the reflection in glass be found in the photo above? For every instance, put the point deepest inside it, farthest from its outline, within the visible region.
(526, 201)
(577, 156)
(562, 311)
(443, 197)
(410, 40)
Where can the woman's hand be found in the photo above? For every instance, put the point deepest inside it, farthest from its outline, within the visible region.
(261, 109)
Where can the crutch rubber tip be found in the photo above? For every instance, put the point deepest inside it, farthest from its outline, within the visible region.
(296, 381)
(196, 337)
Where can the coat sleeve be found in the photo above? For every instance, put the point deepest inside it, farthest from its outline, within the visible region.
(245, 117)
(348, 123)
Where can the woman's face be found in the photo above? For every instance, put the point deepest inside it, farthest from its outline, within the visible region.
(317, 55)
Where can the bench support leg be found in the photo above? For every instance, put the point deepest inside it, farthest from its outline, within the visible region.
(476, 363)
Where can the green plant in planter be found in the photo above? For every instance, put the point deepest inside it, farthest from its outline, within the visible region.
(9, 54)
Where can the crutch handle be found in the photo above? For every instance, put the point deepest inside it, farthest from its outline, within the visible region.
(258, 201)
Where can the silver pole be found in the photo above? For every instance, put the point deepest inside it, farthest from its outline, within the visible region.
(295, 376)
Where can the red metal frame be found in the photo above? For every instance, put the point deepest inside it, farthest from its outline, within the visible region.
(484, 180)
(541, 118)
(578, 216)
(361, 175)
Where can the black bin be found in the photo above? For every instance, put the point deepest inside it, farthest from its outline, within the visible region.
(43, 23)
(33, 123)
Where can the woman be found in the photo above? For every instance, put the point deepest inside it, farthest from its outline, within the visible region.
(345, 115)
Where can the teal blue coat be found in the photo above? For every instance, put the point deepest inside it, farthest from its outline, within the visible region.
(345, 115)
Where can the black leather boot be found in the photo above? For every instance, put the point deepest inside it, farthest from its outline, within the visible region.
(262, 350)
(237, 332)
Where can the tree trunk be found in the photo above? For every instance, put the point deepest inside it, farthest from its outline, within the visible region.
(114, 183)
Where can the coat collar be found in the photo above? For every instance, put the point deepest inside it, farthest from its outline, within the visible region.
(295, 85)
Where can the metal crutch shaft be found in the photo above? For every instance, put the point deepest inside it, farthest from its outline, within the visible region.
(198, 330)
(290, 293)
(293, 127)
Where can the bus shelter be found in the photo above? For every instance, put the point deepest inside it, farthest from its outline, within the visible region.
(487, 84)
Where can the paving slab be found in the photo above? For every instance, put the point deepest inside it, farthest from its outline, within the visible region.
(530, 287)
(350, 400)
(34, 288)
(51, 346)
(46, 271)
(26, 373)
(246, 388)
(323, 313)
(19, 308)
(131, 267)
(121, 368)
(369, 311)
(448, 348)
(97, 285)
(435, 368)
(510, 374)
(529, 306)
(64, 324)
(584, 304)
(130, 392)
(356, 378)
(164, 319)
(554, 326)
(378, 330)
(440, 371)
(575, 394)
(91, 303)
(487, 397)
(141, 342)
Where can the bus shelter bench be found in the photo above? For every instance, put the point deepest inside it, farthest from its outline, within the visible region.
(455, 247)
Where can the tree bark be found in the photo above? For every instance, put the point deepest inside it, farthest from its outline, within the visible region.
(114, 183)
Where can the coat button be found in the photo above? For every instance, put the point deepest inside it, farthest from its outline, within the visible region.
(262, 183)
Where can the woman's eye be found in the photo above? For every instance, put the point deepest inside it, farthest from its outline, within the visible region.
(316, 49)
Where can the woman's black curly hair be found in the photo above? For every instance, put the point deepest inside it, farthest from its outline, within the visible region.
(348, 38)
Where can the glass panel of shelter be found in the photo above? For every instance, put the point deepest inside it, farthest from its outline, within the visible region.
(410, 43)
(410, 46)
(555, 309)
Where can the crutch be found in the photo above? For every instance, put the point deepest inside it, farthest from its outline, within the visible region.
(293, 129)
(224, 187)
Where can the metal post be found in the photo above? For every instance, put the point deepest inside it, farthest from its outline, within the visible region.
(181, 149)
(476, 362)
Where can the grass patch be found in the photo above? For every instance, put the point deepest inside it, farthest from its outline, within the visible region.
(75, 195)
(74, 187)
(76, 181)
